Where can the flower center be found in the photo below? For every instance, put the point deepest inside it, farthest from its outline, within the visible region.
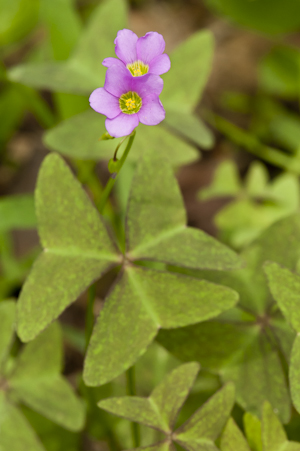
(138, 68)
(130, 103)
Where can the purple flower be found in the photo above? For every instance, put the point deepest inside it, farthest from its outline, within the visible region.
(141, 56)
(126, 100)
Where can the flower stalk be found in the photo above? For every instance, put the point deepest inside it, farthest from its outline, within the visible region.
(117, 168)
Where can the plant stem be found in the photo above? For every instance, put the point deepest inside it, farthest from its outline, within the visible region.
(113, 177)
(253, 145)
(131, 391)
(89, 318)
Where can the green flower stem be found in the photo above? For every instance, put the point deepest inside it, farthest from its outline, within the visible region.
(112, 180)
(253, 145)
(86, 175)
(131, 391)
(89, 318)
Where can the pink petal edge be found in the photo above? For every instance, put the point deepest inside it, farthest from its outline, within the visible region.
(126, 46)
(122, 125)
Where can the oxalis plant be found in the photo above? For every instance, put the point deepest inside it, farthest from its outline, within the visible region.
(177, 300)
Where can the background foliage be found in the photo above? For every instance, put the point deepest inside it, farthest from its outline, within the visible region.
(137, 328)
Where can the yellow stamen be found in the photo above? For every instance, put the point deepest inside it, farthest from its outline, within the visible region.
(130, 104)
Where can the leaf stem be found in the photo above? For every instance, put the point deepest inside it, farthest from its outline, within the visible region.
(131, 391)
(109, 186)
(252, 144)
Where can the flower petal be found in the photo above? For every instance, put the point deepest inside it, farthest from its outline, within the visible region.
(105, 103)
(107, 62)
(160, 64)
(126, 46)
(147, 84)
(150, 46)
(122, 125)
(152, 111)
(118, 80)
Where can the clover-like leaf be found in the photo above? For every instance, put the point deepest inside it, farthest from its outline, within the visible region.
(285, 286)
(232, 438)
(248, 344)
(190, 127)
(191, 64)
(75, 242)
(156, 223)
(78, 250)
(240, 352)
(256, 204)
(7, 315)
(34, 379)
(37, 383)
(78, 137)
(208, 422)
(273, 433)
(160, 410)
(226, 182)
(252, 427)
(67, 76)
(294, 373)
(16, 432)
(82, 72)
(158, 299)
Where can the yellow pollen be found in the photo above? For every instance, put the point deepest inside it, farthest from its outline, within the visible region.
(137, 72)
(130, 104)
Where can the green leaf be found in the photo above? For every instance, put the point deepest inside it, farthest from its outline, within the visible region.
(78, 137)
(260, 361)
(83, 72)
(56, 14)
(17, 212)
(67, 76)
(252, 427)
(160, 410)
(75, 242)
(190, 67)
(226, 182)
(45, 396)
(18, 18)
(282, 17)
(273, 433)
(257, 179)
(232, 438)
(281, 242)
(239, 352)
(7, 315)
(37, 383)
(294, 373)
(118, 339)
(162, 446)
(212, 343)
(209, 420)
(285, 286)
(172, 392)
(16, 433)
(156, 222)
(97, 42)
(40, 358)
(157, 299)
(279, 72)
(140, 410)
(190, 127)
